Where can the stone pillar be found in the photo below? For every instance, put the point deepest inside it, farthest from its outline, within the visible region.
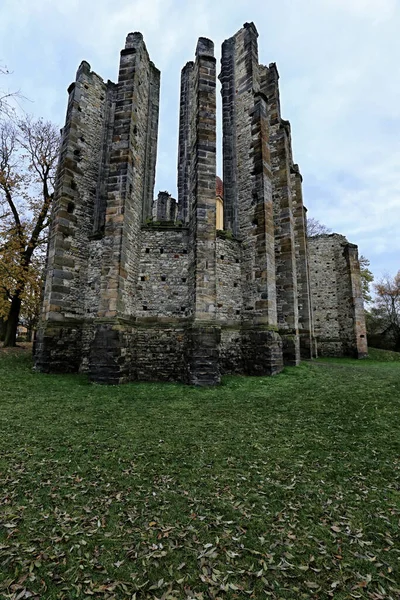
(101, 188)
(355, 299)
(306, 330)
(151, 140)
(285, 257)
(228, 91)
(203, 334)
(129, 197)
(248, 194)
(164, 207)
(59, 340)
(185, 143)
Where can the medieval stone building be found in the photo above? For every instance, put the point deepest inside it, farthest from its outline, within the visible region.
(137, 289)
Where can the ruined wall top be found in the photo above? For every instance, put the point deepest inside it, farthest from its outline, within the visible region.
(133, 39)
(205, 47)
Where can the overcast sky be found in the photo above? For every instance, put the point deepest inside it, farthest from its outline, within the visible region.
(340, 87)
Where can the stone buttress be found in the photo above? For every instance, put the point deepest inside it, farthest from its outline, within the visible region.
(78, 196)
(248, 205)
(184, 147)
(308, 347)
(284, 222)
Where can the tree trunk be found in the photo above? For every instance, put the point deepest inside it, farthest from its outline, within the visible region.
(10, 339)
(2, 329)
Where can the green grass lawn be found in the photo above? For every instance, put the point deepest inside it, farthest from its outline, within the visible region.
(283, 487)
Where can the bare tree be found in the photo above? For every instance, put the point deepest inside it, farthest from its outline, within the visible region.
(314, 227)
(7, 97)
(28, 158)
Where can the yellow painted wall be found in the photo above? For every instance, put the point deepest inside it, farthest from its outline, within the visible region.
(220, 213)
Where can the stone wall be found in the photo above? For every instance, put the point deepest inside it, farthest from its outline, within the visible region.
(229, 281)
(162, 287)
(229, 304)
(160, 353)
(339, 322)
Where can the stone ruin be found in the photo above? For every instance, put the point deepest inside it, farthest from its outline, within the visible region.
(138, 289)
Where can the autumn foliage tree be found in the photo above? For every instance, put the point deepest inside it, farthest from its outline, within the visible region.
(28, 159)
(387, 307)
(366, 278)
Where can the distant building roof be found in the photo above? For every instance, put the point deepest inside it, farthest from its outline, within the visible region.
(219, 187)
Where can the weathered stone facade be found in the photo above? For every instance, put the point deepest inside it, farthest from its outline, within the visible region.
(153, 290)
(339, 322)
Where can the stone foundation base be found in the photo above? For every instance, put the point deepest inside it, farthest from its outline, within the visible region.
(58, 347)
(338, 348)
(111, 354)
(114, 352)
(262, 352)
(203, 355)
(307, 346)
(290, 349)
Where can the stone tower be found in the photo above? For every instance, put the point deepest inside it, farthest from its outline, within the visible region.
(138, 289)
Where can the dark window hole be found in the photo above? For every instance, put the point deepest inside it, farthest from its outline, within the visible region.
(147, 250)
(70, 207)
